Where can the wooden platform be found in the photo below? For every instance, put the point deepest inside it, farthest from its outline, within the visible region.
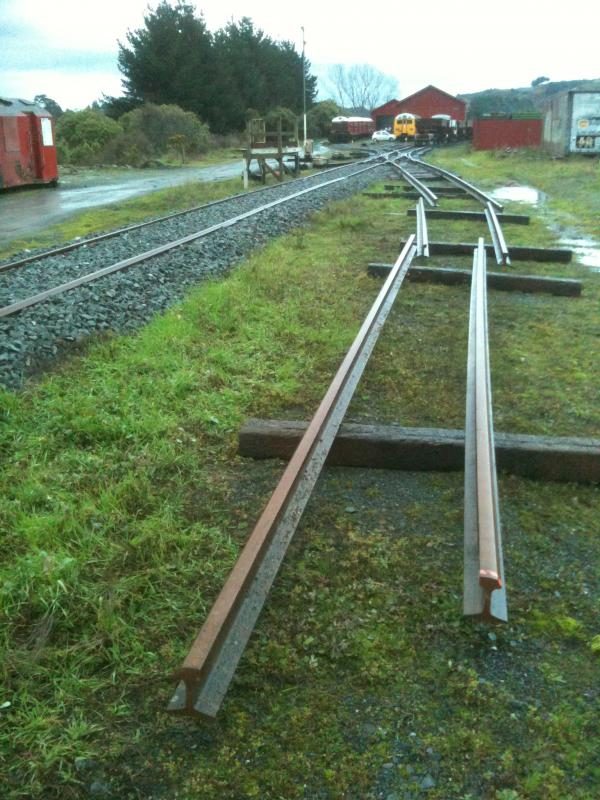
(430, 449)
(262, 156)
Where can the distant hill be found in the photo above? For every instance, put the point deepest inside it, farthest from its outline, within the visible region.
(529, 98)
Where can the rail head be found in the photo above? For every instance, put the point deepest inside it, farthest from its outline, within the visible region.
(484, 585)
(498, 240)
(478, 194)
(422, 235)
(428, 196)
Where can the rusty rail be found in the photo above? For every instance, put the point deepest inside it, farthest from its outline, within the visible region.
(211, 662)
(422, 235)
(484, 587)
(500, 246)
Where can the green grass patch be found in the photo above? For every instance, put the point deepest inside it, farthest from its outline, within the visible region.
(571, 185)
(123, 506)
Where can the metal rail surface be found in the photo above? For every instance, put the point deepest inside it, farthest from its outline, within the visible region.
(20, 305)
(484, 585)
(482, 197)
(423, 190)
(500, 246)
(55, 251)
(211, 662)
(422, 235)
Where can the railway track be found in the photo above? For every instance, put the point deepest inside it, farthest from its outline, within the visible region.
(208, 669)
(120, 280)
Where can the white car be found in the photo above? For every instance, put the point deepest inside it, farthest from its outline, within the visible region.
(383, 136)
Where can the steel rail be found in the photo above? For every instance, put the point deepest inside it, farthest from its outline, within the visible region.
(425, 192)
(422, 235)
(56, 251)
(482, 197)
(500, 246)
(211, 662)
(27, 302)
(484, 586)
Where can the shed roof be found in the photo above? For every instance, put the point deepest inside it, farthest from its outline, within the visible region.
(15, 107)
(431, 87)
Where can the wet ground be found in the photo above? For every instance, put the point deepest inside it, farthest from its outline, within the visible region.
(27, 211)
(585, 249)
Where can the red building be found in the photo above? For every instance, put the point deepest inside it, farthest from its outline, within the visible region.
(495, 133)
(27, 149)
(426, 102)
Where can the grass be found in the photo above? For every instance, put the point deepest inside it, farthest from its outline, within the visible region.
(123, 506)
(572, 185)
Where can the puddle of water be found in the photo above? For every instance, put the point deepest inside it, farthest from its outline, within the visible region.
(586, 251)
(519, 194)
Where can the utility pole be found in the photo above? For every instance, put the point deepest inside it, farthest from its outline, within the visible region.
(303, 87)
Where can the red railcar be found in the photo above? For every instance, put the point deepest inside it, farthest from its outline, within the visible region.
(27, 149)
(346, 129)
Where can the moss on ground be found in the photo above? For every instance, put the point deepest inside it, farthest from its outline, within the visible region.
(124, 505)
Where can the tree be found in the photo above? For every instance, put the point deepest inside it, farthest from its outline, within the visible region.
(171, 60)
(319, 118)
(115, 107)
(537, 81)
(49, 104)
(360, 86)
(259, 73)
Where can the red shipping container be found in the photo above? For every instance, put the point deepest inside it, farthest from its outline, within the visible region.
(497, 133)
(27, 148)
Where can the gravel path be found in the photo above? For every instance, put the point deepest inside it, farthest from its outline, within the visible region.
(124, 301)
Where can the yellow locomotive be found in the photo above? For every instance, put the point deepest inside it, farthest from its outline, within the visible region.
(405, 127)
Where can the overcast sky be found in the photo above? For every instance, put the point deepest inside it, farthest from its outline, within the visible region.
(67, 49)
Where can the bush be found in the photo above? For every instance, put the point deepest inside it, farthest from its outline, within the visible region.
(128, 148)
(158, 124)
(82, 135)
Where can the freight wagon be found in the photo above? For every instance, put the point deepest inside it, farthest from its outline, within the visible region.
(27, 149)
(346, 129)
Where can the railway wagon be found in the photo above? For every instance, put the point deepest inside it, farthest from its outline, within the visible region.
(27, 148)
(346, 129)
